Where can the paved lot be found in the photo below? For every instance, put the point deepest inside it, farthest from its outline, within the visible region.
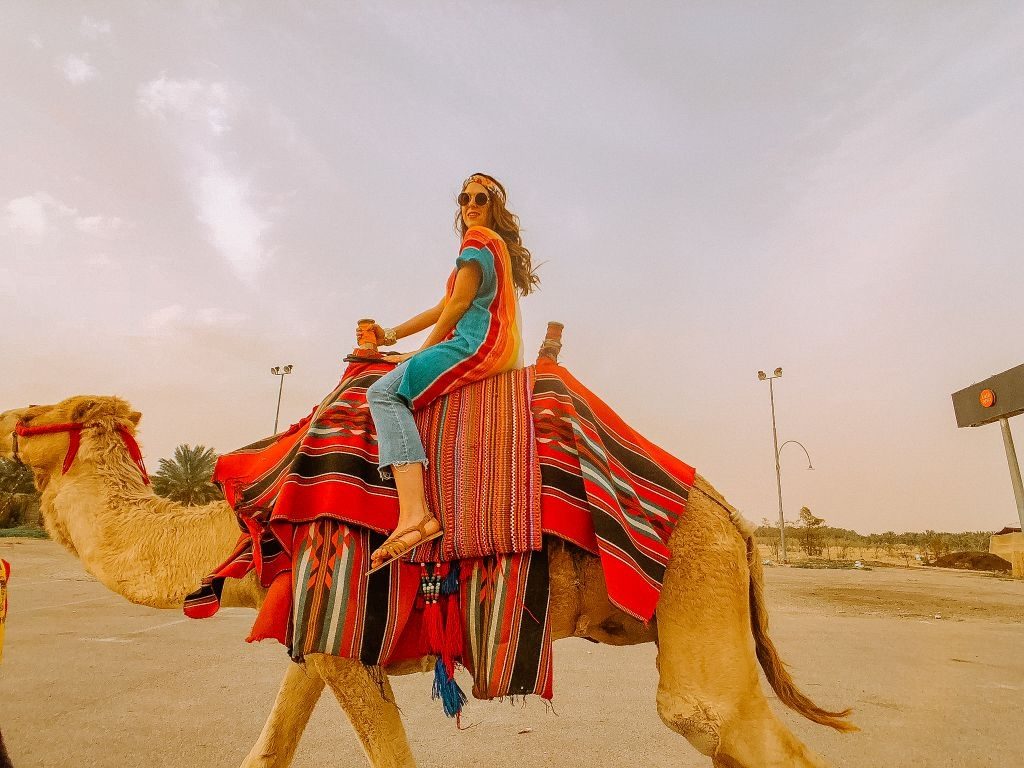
(91, 680)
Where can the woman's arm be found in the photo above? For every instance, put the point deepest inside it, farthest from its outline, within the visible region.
(416, 324)
(467, 283)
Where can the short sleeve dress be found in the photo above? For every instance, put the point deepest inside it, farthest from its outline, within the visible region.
(486, 341)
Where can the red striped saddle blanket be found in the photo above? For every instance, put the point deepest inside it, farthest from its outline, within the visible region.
(312, 505)
(483, 477)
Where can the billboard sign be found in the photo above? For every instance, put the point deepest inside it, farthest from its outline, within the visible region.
(998, 397)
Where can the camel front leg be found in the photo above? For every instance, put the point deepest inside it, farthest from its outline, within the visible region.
(708, 689)
(370, 708)
(296, 698)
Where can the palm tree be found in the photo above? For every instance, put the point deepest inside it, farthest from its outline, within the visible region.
(186, 478)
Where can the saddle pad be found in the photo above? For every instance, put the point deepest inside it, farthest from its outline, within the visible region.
(499, 610)
(603, 485)
(483, 475)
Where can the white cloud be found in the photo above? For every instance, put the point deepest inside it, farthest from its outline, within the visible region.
(94, 28)
(199, 114)
(100, 226)
(33, 217)
(99, 260)
(77, 69)
(27, 216)
(194, 100)
(235, 227)
(30, 216)
(174, 320)
(164, 319)
(218, 317)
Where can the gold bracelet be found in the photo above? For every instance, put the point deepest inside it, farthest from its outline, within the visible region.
(390, 337)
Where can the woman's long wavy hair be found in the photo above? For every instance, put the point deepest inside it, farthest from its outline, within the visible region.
(506, 224)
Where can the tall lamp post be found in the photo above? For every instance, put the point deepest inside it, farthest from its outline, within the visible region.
(282, 371)
(777, 373)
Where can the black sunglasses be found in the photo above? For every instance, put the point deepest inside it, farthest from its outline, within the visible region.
(479, 198)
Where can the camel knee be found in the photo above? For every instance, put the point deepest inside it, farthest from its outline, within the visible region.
(338, 670)
(697, 721)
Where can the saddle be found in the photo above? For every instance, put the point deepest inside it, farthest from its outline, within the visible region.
(509, 457)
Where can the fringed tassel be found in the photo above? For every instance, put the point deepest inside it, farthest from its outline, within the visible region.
(433, 618)
(452, 648)
(451, 651)
(447, 690)
(450, 585)
(442, 627)
(433, 626)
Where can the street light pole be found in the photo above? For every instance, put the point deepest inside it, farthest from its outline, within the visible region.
(282, 371)
(797, 442)
(775, 441)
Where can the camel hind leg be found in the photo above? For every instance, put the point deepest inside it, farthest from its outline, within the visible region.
(709, 690)
(370, 708)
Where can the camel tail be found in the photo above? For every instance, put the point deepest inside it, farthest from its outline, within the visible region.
(774, 668)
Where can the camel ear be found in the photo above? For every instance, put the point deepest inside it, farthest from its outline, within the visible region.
(135, 417)
(82, 409)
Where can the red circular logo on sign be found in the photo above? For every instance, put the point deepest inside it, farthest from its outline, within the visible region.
(987, 398)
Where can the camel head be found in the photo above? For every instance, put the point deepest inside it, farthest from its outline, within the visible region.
(52, 454)
(98, 503)
(45, 453)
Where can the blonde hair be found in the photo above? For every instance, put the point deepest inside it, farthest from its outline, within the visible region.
(506, 224)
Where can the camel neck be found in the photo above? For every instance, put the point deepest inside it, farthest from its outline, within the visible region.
(149, 549)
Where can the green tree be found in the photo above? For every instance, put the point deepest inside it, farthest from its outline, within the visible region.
(935, 544)
(768, 534)
(809, 532)
(186, 477)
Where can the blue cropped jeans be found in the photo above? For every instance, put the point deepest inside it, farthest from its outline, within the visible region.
(398, 440)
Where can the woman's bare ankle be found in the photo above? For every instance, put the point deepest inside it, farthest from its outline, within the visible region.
(414, 516)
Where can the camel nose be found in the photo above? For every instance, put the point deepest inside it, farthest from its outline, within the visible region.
(8, 420)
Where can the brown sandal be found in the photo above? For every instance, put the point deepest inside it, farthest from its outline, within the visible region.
(394, 548)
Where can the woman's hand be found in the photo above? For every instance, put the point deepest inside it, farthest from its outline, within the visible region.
(394, 357)
(378, 333)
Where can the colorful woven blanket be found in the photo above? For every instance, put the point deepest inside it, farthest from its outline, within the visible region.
(603, 487)
(483, 478)
(607, 488)
(488, 614)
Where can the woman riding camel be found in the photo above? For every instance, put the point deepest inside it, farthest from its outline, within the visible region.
(476, 334)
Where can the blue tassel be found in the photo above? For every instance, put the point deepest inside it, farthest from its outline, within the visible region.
(447, 690)
(450, 585)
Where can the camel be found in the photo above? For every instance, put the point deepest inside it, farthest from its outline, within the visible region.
(711, 624)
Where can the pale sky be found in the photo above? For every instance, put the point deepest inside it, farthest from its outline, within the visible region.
(194, 192)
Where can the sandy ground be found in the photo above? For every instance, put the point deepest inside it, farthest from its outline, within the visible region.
(91, 680)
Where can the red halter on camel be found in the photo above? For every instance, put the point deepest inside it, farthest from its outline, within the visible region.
(74, 430)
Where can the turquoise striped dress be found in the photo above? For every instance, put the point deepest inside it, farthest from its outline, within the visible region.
(486, 341)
